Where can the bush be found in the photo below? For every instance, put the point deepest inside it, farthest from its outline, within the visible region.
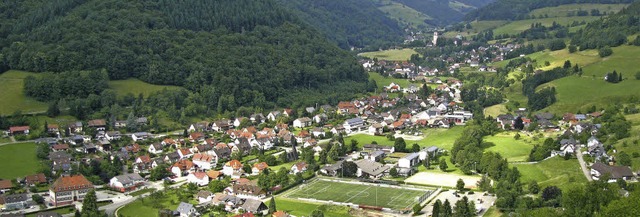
(605, 52)
(637, 76)
(572, 49)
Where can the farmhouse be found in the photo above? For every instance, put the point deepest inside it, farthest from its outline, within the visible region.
(255, 207)
(17, 130)
(98, 124)
(615, 172)
(299, 167)
(68, 189)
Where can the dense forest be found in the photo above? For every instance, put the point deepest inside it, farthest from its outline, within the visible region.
(518, 9)
(441, 11)
(611, 31)
(349, 23)
(249, 53)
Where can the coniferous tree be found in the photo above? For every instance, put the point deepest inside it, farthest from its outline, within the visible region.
(272, 205)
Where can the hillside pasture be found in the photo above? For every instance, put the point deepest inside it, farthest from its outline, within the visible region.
(12, 95)
(136, 87)
(564, 10)
(391, 55)
(403, 14)
(554, 171)
(519, 26)
(510, 148)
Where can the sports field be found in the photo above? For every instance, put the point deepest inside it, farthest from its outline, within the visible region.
(362, 194)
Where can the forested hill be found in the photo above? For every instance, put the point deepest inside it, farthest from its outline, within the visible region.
(349, 23)
(253, 53)
(611, 31)
(517, 9)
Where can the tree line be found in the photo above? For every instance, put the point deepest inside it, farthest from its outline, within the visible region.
(519, 9)
(609, 32)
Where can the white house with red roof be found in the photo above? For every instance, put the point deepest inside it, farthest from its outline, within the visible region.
(16, 130)
(232, 168)
(204, 161)
(198, 178)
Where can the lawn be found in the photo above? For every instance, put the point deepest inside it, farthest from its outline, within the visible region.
(555, 171)
(495, 110)
(392, 55)
(441, 138)
(141, 192)
(143, 207)
(12, 96)
(394, 198)
(21, 160)
(563, 10)
(301, 208)
(137, 87)
(382, 81)
(510, 148)
(518, 26)
(4, 139)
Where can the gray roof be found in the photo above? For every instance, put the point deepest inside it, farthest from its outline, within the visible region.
(252, 205)
(432, 149)
(48, 214)
(411, 156)
(616, 172)
(354, 121)
(185, 208)
(129, 178)
(371, 167)
(15, 198)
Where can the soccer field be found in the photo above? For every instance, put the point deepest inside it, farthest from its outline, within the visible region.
(362, 194)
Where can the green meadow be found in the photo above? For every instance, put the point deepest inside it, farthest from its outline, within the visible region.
(392, 55)
(403, 14)
(137, 87)
(12, 96)
(518, 26)
(20, 160)
(510, 148)
(554, 171)
(564, 10)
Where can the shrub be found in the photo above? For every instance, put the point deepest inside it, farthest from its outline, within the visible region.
(605, 52)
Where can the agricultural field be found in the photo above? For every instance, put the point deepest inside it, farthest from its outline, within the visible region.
(371, 195)
(382, 81)
(510, 148)
(564, 10)
(403, 14)
(554, 171)
(391, 55)
(12, 97)
(477, 27)
(518, 26)
(136, 87)
(632, 144)
(495, 110)
(25, 153)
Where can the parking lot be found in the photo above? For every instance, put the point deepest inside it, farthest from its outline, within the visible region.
(482, 202)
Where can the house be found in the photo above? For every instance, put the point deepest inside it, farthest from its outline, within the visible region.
(375, 147)
(186, 210)
(184, 153)
(320, 118)
(255, 207)
(120, 124)
(615, 172)
(505, 121)
(198, 178)
(338, 130)
(231, 168)
(36, 179)
(317, 132)
(299, 167)
(302, 122)
(428, 153)
(272, 116)
(140, 136)
(257, 118)
(155, 148)
(68, 189)
(370, 169)
(221, 125)
(18, 130)
(222, 153)
(287, 112)
(203, 161)
(126, 182)
(15, 201)
(112, 135)
(248, 191)
(5, 185)
(409, 161)
(374, 156)
(60, 147)
(75, 127)
(172, 157)
(214, 175)
(53, 128)
(204, 196)
(200, 127)
(90, 148)
(168, 142)
(258, 168)
(98, 124)
(568, 146)
(376, 129)
(354, 124)
(333, 169)
(182, 167)
(280, 213)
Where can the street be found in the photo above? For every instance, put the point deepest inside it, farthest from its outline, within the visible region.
(583, 165)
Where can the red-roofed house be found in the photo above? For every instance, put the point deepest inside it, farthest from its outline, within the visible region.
(5, 185)
(181, 167)
(35, 179)
(68, 189)
(299, 168)
(19, 130)
(198, 178)
(204, 161)
(231, 167)
(258, 167)
(185, 153)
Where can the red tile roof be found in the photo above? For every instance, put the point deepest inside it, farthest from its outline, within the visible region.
(18, 129)
(213, 174)
(202, 157)
(144, 159)
(5, 184)
(235, 164)
(68, 183)
(60, 146)
(260, 166)
(36, 178)
(184, 164)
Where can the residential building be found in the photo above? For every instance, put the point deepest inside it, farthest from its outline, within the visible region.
(15, 201)
(299, 167)
(17, 130)
(255, 207)
(155, 148)
(354, 124)
(36, 179)
(232, 168)
(182, 167)
(140, 136)
(204, 196)
(248, 190)
(68, 189)
(302, 122)
(198, 178)
(370, 169)
(126, 182)
(203, 161)
(258, 168)
(186, 210)
(409, 161)
(615, 172)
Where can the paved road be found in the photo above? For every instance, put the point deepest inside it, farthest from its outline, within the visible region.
(583, 165)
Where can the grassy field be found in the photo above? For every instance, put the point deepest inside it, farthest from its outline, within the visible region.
(12, 97)
(441, 138)
(555, 171)
(495, 110)
(392, 55)
(633, 142)
(403, 14)
(136, 87)
(143, 207)
(510, 148)
(477, 27)
(388, 197)
(564, 10)
(300, 208)
(518, 26)
(60, 210)
(385, 81)
(21, 160)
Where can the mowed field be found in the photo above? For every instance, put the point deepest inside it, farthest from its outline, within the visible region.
(554, 171)
(19, 160)
(564, 10)
(382, 81)
(392, 55)
(12, 96)
(137, 87)
(510, 148)
(371, 195)
(441, 138)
